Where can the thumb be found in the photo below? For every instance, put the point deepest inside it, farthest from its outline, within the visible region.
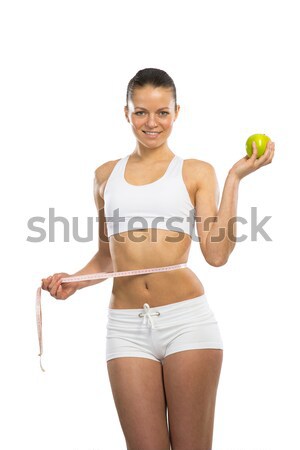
(254, 151)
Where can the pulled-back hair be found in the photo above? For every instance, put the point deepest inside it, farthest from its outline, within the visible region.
(152, 77)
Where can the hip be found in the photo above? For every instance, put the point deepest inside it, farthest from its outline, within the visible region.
(156, 332)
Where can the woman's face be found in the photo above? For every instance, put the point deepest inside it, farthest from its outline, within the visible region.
(151, 113)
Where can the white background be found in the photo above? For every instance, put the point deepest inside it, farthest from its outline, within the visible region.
(65, 69)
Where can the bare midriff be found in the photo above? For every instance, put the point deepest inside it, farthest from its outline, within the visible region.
(152, 248)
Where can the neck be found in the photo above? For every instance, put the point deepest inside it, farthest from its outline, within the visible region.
(152, 154)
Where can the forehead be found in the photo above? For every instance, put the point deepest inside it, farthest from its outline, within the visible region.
(150, 95)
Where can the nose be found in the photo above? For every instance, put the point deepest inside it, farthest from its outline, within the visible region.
(151, 121)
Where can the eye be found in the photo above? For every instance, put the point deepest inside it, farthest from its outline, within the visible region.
(164, 113)
(139, 112)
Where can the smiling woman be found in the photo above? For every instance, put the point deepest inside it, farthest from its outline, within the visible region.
(167, 356)
(155, 187)
(160, 328)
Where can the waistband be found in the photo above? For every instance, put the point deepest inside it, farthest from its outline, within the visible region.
(177, 306)
(184, 309)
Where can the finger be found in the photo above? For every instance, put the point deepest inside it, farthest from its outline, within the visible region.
(59, 294)
(270, 150)
(270, 159)
(263, 159)
(267, 151)
(273, 147)
(54, 279)
(55, 287)
(267, 157)
(46, 282)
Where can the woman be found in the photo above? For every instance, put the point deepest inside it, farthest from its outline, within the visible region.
(164, 349)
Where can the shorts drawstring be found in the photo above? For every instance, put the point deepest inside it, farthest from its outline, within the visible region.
(147, 314)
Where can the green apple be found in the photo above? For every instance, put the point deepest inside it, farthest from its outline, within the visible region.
(260, 140)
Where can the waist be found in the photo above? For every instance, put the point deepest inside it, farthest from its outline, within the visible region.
(156, 289)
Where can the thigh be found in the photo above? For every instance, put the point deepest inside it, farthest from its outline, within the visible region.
(191, 379)
(138, 391)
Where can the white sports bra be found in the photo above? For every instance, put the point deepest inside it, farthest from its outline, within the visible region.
(164, 204)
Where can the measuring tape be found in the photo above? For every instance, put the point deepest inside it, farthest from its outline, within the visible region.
(94, 276)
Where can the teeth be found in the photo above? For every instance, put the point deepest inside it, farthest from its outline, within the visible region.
(151, 132)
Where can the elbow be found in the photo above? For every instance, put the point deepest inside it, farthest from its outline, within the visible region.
(217, 257)
(217, 262)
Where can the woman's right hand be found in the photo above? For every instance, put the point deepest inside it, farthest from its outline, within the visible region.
(58, 290)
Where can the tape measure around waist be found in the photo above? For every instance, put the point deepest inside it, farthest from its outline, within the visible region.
(93, 276)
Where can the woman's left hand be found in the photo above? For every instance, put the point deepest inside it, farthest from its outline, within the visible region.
(248, 164)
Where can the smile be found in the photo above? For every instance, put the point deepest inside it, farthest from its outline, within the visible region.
(152, 133)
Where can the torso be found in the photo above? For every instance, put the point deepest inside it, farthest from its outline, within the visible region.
(152, 248)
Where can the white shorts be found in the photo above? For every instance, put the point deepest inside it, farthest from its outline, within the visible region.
(162, 330)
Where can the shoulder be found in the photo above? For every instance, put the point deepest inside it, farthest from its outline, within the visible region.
(198, 164)
(199, 170)
(103, 172)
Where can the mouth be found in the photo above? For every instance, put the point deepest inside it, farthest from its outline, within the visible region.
(151, 133)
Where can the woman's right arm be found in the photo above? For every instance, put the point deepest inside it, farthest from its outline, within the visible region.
(100, 262)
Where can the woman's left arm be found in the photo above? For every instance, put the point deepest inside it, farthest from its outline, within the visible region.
(219, 231)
